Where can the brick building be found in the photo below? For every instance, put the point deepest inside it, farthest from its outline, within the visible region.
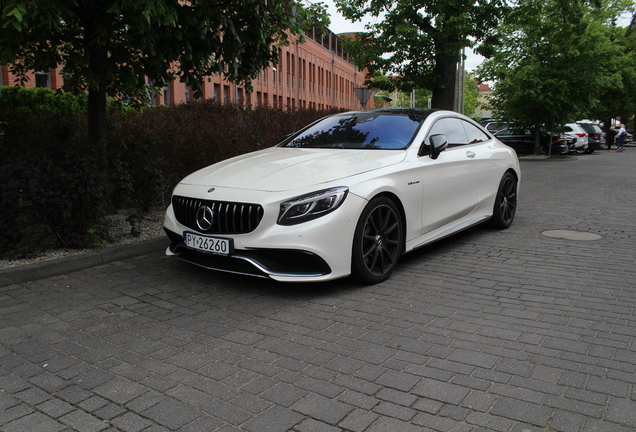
(315, 74)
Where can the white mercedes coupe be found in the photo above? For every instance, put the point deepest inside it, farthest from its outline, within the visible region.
(346, 195)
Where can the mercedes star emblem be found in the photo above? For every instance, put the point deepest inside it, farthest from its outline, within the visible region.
(205, 216)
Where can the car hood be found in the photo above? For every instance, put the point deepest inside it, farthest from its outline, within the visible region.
(279, 169)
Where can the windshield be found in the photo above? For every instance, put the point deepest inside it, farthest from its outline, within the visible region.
(360, 130)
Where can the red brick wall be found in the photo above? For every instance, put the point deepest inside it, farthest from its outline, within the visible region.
(314, 74)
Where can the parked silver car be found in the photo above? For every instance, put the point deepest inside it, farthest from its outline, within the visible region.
(579, 134)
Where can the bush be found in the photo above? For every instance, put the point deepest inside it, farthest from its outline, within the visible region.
(42, 101)
(55, 188)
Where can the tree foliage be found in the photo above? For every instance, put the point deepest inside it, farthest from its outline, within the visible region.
(114, 46)
(418, 42)
(471, 95)
(556, 61)
(616, 97)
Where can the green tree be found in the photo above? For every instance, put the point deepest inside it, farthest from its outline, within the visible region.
(619, 81)
(110, 47)
(419, 42)
(553, 63)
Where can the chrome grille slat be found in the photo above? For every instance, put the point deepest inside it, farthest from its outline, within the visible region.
(229, 218)
(241, 218)
(225, 214)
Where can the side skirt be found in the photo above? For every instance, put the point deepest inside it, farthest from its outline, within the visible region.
(425, 240)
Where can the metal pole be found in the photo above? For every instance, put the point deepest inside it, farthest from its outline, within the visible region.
(551, 139)
(463, 82)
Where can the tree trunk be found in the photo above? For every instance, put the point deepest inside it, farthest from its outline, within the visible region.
(98, 58)
(97, 117)
(444, 93)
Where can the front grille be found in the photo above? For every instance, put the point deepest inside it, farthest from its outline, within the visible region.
(228, 217)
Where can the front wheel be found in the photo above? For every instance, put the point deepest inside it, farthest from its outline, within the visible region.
(377, 242)
(505, 207)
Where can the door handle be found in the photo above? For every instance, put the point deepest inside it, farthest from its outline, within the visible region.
(470, 154)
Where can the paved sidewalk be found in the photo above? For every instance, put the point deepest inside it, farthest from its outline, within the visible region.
(485, 331)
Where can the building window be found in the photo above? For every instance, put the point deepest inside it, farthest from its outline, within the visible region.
(203, 92)
(166, 94)
(240, 99)
(217, 90)
(152, 93)
(42, 79)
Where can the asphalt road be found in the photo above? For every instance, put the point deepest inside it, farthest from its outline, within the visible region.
(486, 331)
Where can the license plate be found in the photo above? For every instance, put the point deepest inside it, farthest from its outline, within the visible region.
(214, 245)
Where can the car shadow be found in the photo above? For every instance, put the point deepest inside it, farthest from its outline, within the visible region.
(239, 284)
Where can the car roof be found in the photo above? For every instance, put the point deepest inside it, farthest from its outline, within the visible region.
(398, 111)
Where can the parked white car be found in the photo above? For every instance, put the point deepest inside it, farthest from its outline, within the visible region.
(576, 131)
(346, 195)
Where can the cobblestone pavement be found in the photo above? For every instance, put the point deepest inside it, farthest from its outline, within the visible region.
(486, 331)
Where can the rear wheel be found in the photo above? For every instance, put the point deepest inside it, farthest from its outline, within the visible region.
(505, 203)
(377, 242)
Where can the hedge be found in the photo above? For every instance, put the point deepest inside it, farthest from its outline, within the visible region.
(55, 188)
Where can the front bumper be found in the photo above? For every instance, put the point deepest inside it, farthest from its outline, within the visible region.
(317, 250)
(267, 263)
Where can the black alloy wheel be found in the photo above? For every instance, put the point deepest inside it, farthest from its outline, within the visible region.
(505, 203)
(378, 241)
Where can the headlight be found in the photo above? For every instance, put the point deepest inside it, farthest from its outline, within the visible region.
(314, 205)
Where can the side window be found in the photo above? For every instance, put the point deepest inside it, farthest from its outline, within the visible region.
(474, 134)
(452, 128)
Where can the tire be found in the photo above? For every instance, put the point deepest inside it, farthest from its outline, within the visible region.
(505, 208)
(378, 241)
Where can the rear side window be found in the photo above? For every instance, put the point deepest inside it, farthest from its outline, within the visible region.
(474, 134)
(591, 129)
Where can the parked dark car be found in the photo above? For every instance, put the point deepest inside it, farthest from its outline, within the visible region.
(595, 136)
(522, 141)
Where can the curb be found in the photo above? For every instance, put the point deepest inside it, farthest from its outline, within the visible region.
(47, 269)
(546, 159)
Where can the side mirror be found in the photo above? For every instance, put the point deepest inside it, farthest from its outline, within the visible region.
(438, 145)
